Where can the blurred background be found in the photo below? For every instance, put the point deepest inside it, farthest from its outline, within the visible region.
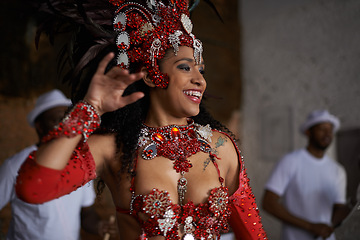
(267, 66)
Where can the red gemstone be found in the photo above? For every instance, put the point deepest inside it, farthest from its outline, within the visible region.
(192, 133)
(175, 132)
(158, 138)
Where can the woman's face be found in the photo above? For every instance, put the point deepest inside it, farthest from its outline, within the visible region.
(186, 86)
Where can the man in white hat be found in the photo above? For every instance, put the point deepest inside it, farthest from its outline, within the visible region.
(307, 189)
(58, 219)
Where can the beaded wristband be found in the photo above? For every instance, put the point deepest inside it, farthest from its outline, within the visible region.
(82, 119)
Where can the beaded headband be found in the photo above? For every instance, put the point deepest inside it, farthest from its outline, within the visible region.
(146, 29)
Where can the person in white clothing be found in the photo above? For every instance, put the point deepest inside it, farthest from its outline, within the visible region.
(307, 189)
(61, 218)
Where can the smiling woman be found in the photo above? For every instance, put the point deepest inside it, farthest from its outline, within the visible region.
(173, 171)
(183, 95)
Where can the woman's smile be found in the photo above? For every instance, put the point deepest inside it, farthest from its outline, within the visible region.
(194, 95)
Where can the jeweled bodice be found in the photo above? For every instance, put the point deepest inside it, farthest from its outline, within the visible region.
(162, 216)
(203, 221)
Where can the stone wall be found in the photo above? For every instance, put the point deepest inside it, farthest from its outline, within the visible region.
(296, 56)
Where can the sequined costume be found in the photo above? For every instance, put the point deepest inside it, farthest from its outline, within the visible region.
(143, 32)
(37, 184)
(165, 218)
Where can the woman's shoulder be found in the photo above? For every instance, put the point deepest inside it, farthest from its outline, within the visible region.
(103, 144)
(103, 137)
(228, 156)
(222, 139)
(224, 147)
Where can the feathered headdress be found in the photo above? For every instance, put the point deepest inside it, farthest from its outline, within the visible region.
(142, 30)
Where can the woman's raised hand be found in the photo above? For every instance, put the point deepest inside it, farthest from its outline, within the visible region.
(105, 92)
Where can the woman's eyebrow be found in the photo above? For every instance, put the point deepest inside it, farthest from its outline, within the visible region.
(185, 59)
(188, 60)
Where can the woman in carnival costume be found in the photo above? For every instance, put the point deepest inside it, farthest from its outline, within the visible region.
(173, 171)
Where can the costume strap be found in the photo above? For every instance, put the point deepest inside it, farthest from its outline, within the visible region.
(82, 119)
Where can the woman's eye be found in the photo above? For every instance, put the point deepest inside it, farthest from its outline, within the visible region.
(202, 71)
(184, 67)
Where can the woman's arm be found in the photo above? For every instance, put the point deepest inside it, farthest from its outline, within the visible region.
(64, 161)
(104, 95)
(245, 219)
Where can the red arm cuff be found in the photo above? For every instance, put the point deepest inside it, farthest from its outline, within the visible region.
(39, 184)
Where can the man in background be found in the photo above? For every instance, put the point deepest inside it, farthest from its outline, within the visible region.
(61, 218)
(307, 189)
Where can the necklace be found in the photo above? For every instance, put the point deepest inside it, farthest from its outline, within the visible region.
(176, 143)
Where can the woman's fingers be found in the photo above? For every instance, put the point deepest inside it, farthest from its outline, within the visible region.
(121, 82)
(116, 72)
(129, 80)
(123, 75)
(129, 99)
(104, 63)
(106, 89)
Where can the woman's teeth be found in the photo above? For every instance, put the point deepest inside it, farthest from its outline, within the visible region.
(193, 93)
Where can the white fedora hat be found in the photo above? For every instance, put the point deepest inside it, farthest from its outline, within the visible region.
(46, 101)
(320, 116)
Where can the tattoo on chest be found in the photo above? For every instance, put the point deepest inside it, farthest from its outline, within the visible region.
(220, 142)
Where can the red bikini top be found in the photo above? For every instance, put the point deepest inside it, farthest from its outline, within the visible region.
(203, 221)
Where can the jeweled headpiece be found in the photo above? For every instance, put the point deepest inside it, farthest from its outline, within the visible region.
(142, 30)
(146, 29)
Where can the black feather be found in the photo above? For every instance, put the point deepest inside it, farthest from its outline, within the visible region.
(194, 3)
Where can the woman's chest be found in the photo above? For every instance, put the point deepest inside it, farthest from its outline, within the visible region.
(194, 184)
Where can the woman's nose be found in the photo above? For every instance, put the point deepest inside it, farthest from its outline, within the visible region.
(198, 79)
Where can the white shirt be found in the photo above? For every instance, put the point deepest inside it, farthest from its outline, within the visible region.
(58, 219)
(309, 188)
